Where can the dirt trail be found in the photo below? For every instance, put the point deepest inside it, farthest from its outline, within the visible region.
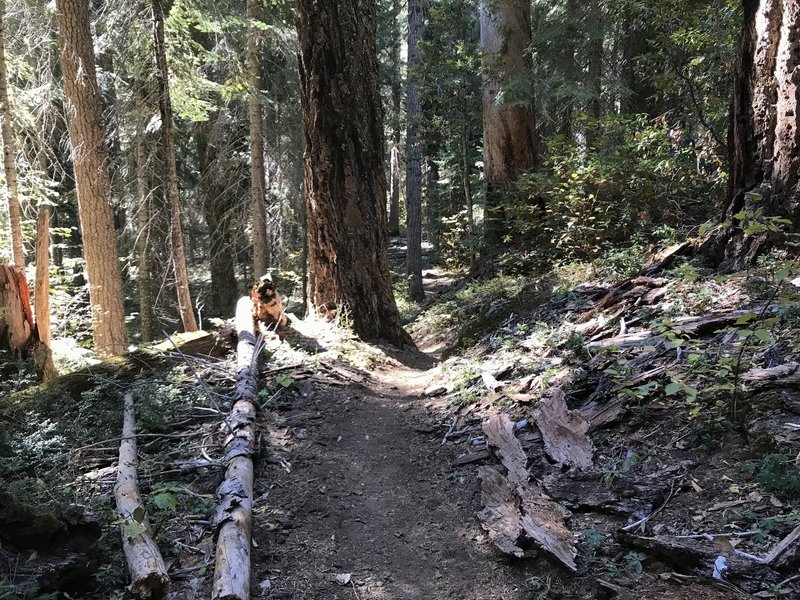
(371, 492)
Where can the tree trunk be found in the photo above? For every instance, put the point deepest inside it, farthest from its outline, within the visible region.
(348, 264)
(509, 147)
(9, 152)
(144, 280)
(468, 192)
(413, 158)
(397, 100)
(394, 190)
(257, 170)
(176, 229)
(90, 161)
(763, 137)
(570, 69)
(41, 287)
(638, 94)
(595, 69)
(217, 213)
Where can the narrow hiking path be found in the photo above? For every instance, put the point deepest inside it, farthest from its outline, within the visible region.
(369, 494)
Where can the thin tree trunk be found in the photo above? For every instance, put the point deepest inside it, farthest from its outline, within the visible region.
(9, 152)
(90, 160)
(176, 229)
(595, 69)
(509, 147)
(345, 188)
(397, 100)
(413, 157)
(257, 170)
(144, 280)
(41, 286)
(468, 192)
(569, 68)
(394, 193)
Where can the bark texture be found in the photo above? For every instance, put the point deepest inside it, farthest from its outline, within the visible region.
(90, 161)
(146, 566)
(41, 287)
(233, 513)
(413, 157)
(763, 136)
(509, 147)
(176, 229)
(348, 267)
(143, 187)
(10, 152)
(257, 170)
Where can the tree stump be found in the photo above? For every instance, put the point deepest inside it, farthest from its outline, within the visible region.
(19, 335)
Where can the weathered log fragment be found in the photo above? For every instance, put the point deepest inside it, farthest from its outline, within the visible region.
(233, 513)
(513, 505)
(585, 491)
(787, 375)
(564, 431)
(146, 566)
(785, 556)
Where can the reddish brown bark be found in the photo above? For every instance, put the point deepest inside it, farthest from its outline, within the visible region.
(348, 267)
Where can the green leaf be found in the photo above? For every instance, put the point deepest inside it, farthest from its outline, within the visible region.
(673, 388)
(763, 335)
(746, 318)
(133, 530)
(782, 274)
(165, 501)
(139, 514)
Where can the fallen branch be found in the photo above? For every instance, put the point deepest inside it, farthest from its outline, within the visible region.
(149, 577)
(233, 514)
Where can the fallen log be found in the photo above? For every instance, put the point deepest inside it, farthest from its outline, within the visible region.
(146, 566)
(627, 495)
(700, 557)
(786, 555)
(233, 513)
(787, 375)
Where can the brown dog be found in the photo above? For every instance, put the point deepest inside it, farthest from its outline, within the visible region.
(267, 304)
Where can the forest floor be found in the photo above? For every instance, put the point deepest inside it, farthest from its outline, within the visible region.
(372, 478)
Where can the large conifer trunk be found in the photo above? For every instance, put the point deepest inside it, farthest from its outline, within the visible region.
(90, 160)
(764, 139)
(509, 142)
(348, 267)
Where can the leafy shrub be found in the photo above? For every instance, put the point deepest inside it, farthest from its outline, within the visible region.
(777, 473)
(635, 177)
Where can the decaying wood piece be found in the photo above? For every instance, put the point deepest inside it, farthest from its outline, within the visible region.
(563, 431)
(148, 572)
(694, 325)
(531, 511)
(501, 513)
(19, 334)
(585, 491)
(233, 512)
(786, 555)
(781, 376)
(699, 556)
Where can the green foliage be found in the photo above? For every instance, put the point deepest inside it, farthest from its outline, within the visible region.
(778, 473)
(634, 179)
